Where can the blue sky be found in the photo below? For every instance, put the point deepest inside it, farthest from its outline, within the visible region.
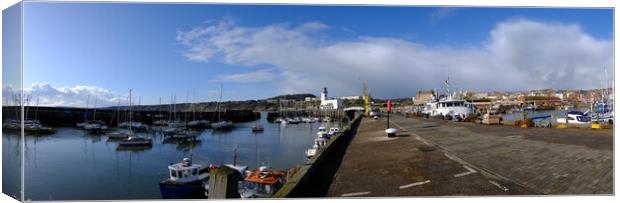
(259, 51)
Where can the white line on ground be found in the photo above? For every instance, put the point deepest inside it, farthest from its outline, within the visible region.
(462, 174)
(469, 169)
(414, 184)
(354, 194)
(505, 189)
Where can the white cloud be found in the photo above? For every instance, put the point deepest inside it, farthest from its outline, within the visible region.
(76, 96)
(256, 76)
(519, 54)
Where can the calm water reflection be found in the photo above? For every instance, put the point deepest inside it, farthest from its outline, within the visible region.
(74, 165)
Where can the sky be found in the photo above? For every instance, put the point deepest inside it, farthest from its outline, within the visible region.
(73, 50)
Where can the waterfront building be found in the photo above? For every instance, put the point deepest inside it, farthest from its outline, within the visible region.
(350, 97)
(422, 97)
(330, 103)
(311, 99)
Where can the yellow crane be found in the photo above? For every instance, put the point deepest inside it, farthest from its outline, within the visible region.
(366, 101)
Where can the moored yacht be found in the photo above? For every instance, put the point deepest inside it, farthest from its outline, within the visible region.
(222, 125)
(35, 127)
(138, 126)
(95, 126)
(120, 134)
(136, 141)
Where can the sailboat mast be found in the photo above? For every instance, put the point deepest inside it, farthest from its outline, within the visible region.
(187, 100)
(170, 110)
(36, 111)
(86, 110)
(118, 113)
(174, 107)
(218, 106)
(192, 107)
(95, 109)
(130, 112)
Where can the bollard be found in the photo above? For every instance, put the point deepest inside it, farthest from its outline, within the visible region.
(391, 132)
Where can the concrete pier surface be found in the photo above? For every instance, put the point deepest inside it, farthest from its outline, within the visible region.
(438, 158)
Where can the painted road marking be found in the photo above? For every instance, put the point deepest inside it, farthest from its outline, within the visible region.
(414, 184)
(354, 194)
(505, 189)
(462, 174)
(469, 171)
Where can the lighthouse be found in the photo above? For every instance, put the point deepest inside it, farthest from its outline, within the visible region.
(324, 94)
(327, 103)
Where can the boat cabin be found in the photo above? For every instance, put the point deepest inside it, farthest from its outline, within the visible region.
(457, 103)
(263, 182)
(320, 142)
(186, 171)
(334, 130)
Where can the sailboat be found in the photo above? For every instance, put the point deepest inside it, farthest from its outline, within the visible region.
(185, 133)
(257, 127)
(197, 123)
(131, 139)
(34, 125)
(221, 125)
(95, 126)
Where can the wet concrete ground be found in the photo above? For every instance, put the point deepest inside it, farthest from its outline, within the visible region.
(439, 158)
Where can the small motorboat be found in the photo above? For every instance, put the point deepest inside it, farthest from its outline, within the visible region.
(293, 120)
(322, 132)
(262, 183)
(185, 181)
(333, 132)
(311, 152)
(574, 117)
(258, 128)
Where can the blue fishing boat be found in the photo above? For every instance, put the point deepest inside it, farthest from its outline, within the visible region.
(186, 181)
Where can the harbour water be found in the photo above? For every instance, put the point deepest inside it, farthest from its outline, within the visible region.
(72, 165)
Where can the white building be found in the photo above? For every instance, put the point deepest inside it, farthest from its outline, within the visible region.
(350, 97)
(329, 103)
(311, 99)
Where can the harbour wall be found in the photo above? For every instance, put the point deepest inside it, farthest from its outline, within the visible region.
(333, 113)
(69, 116)
(313, 178)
